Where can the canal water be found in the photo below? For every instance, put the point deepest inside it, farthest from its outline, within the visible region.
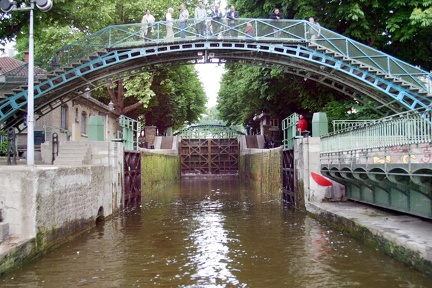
(213, 233)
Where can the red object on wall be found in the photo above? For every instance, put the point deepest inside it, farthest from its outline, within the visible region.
(321, 180)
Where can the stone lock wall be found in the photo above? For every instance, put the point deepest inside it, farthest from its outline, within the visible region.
(157, 170)
(45, 206)
(262, 167)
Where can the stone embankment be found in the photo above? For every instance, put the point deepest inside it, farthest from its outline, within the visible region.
(44, 206)
(403, 237)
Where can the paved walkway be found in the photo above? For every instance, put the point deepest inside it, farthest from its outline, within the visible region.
(406, 238)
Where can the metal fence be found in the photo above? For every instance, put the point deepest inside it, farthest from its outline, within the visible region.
(412, 127)
(289, 130)
(130, 35)
(341, 125)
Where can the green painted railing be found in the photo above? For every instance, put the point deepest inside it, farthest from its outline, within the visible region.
(210, 130)
(412, 127)
(130, 132)
(339, 125)
(289, 130)
(130, 35)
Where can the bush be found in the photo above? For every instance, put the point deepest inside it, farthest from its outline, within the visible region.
(3, 142)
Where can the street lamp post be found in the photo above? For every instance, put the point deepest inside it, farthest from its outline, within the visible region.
(44, 6)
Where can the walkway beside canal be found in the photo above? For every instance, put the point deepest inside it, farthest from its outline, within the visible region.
(403, 237)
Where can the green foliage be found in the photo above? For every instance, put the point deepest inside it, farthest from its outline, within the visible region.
(347, 109)
(400, 28)
(138, 86)
(246, 91)
(164, 95)
(3, 142)
(211, 114)
(176, 103)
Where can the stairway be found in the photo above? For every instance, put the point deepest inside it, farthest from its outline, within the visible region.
(47, 86)
(73, 153)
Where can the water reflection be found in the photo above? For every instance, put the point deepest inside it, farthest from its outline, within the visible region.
(214, 233)
(209, 250)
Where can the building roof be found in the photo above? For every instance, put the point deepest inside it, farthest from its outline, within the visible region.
(16, 67)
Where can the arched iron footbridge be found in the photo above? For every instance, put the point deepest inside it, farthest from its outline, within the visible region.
(209, 130)
(350, 67)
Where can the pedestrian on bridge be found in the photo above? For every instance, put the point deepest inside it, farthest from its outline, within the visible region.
(200, 15)
(276, 16)
(183, 18)
(216, 19)
(147, 25)
(302, 125)
(250, 31)
(232, 17)
(314, 29)
(55, 61)
(169, 25)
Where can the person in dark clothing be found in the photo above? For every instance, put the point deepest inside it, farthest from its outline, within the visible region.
(55, 62)
(232, 17)
(276, 16)
(216, 19)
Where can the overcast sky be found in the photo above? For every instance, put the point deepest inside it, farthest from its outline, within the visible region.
(210, 75)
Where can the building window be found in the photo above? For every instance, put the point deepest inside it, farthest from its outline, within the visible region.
(64, 117)
(76, 115)
(84, 123)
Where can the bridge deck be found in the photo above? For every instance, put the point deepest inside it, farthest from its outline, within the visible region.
(356, 70)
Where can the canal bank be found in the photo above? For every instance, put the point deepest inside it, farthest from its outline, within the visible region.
(406, 238)
(403, 237)
(214, 232)
(44, 206)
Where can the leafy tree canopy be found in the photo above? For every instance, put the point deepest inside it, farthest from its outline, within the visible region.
(177, 102)
(401, 28)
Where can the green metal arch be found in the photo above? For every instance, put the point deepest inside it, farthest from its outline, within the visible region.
(337, 62)
(217, 131)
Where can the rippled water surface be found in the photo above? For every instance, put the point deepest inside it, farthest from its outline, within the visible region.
(213, 233)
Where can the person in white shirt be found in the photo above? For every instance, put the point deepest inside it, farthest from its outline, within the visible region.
(147, 25)
(200, 15)
(183, 18)
(314, 29)
(169, 25)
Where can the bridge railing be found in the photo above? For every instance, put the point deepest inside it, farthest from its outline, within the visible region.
(278, 32)
(289, 130)
(339, 125)
(412, 127)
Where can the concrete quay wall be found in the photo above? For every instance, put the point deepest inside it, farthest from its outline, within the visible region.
(403, 237)
(158, 168)
(262, 168)
(45, 206)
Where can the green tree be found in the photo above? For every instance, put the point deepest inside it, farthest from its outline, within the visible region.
(248, 90)
(211, 114)
(131, 92)
(401, 28)
(179, 98)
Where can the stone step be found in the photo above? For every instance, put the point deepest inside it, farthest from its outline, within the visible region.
(61, 162)
(71, 157)
(72, 154)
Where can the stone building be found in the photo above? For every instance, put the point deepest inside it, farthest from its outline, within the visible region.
(71, 121)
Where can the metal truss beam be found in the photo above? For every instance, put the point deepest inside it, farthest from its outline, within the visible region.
(352, 77)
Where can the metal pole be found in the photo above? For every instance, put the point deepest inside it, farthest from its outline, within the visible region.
(30, 95)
